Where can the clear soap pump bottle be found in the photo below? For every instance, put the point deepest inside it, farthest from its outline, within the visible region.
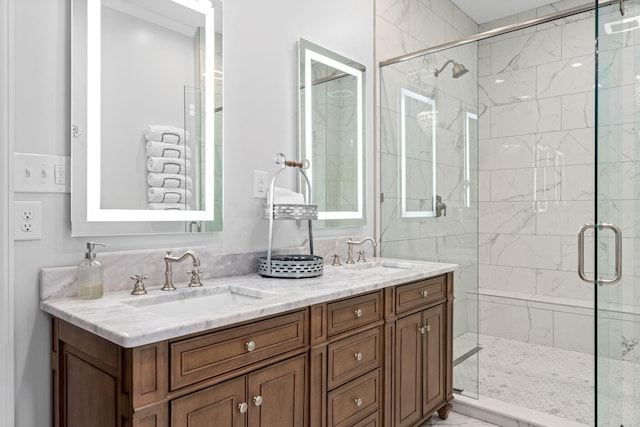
(90, 274)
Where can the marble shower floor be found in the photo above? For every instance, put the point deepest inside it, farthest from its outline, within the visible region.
(545, 379)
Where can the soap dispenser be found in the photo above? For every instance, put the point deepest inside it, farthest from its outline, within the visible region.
(90, 274)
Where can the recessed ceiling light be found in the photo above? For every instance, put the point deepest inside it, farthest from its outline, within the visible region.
(498, 81)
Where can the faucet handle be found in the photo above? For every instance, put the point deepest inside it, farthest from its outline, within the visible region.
(361, 257)
(336, 259)
(195, 278)
(138, 287)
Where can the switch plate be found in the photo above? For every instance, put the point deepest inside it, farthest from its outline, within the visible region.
(40, 173)
(260, 179)
(27, 220)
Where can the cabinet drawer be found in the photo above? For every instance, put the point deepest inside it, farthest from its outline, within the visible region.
(199, 358)
(354, 400)
(372, 420)
(353, 312)
(419, 294)
(354, 356)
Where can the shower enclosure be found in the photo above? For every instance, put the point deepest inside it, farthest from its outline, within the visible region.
(523, 137)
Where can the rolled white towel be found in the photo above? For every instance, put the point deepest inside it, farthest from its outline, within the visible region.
(165, 165)
(168, 180)
(162, 149)
(283, 196)
(168, 207)
(170, 134)
(168, 195)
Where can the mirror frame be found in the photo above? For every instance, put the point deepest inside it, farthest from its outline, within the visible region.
(309, 52)
(406, 213)
(89, 144)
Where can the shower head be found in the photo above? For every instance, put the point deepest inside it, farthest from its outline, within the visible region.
(458, 69)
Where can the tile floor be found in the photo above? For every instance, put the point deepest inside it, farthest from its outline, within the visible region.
(549, 380)
(455, 419)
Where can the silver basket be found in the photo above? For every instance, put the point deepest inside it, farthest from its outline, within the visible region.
(291, 266)
(298, 212)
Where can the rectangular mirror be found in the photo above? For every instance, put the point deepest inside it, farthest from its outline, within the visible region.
(331, 123)
(146, 116)
(418, 162)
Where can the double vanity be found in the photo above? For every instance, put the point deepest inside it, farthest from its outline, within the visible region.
(365, 344)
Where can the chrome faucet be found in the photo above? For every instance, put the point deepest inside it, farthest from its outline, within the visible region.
(168, 273)
(441, 208)
(350, 244)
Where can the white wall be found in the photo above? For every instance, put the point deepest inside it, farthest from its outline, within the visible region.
(260, 120)
(6, 246)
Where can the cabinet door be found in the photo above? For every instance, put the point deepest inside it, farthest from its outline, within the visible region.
(408, 369)
(218, 405)
(277, 394)
(434, 368)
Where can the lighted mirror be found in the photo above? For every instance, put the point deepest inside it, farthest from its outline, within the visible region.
(331, 127)
(418, 162)
(146, 116)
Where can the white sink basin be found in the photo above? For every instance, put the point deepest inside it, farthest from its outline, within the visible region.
(216, 299)
(383, 267)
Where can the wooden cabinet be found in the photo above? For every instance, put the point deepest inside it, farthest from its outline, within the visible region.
(419, 368)
(272, 396)
(187, 381)
(382, 358)
(422, 371)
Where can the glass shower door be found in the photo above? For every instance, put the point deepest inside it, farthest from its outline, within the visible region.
(617, 92)
(429, 180)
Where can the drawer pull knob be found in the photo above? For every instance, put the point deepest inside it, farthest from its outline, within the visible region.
(428, 328)
(358, 356)
(250, 346)
(358, 312)
(243, 407)
(422, 329)
(358, 402)
(257, 400)
(424, 294)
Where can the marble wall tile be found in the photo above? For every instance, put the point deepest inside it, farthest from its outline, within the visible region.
(508, 87)
(578, 38)
(542, 115)
(506, 152)
(573, 332)
(484, 186)
(574, 146)
(527, 251)
(617, 105)
(578, 111)
(569, 259)
(391, 41)
(565, 77)
(484, 248)
(507, 217)
(619, 142)
(484, 122)
(564, 218)
(524, 324)
(563, 284)
(515, 279)
(622, 339)
(513, 185)
(527, 50)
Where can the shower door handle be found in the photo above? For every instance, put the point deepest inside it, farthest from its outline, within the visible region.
(618, 253)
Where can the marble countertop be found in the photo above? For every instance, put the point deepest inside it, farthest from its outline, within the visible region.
(132, 321)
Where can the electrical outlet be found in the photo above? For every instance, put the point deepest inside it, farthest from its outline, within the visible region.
(27, 220)
(260, 184)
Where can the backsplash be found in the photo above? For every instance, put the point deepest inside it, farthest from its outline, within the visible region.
(58, 282)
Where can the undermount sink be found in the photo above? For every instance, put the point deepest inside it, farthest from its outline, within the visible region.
(215, 299)
(384, 267)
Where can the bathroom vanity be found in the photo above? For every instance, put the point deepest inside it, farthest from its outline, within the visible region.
(362, 345)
